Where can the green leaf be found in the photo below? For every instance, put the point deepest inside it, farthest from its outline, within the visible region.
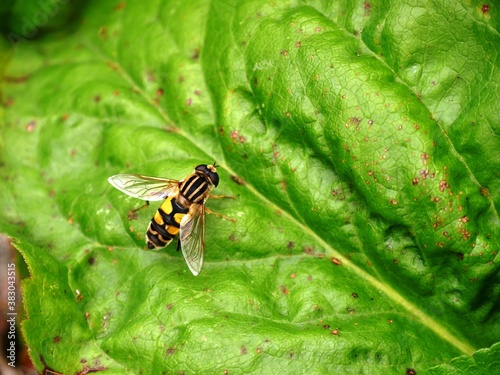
(359, 140)
(484, 361)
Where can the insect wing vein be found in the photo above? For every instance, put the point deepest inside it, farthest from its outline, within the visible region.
(144, 187)
(192, 237)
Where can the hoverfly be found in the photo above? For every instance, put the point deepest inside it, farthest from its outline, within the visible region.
(182, 211)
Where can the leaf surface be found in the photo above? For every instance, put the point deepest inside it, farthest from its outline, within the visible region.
(359, 140)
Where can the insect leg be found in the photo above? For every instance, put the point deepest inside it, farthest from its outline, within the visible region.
(132, 213)
(222, 196)
(219, 215)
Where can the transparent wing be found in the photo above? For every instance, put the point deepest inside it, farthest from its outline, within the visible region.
(192, 237)
(144, 187)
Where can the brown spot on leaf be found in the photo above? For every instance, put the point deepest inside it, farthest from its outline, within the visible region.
(443, 185)
(196, 54)
(336, 261)
(485, 192)
(30, 126)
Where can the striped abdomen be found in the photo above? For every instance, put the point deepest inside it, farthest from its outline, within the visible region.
(165, 225)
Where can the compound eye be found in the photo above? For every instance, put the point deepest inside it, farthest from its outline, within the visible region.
(214, 176)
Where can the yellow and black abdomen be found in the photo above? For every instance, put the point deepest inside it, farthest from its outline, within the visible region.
(164, 226)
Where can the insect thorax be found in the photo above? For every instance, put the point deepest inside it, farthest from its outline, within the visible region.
(194, 189)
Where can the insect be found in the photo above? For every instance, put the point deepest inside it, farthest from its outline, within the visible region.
(182, 212)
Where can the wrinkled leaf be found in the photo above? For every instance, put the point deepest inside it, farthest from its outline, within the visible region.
(360, 143)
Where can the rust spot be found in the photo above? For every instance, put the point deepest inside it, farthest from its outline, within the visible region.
(234, 135)
(460, 256)
(443, 185)
(415, 181)
(336, 261)
(171, 351)
(159, 92)
(97, 98)
(243, 350)
(284, 290)
(424, 158)
(485, 8)
(283, 184)
(169, 306)
(335, 332)
(196, 54)
(485, 192)
(120, 6)
(355, 295)
(91, 261)
(298, 44)
(30, 126)
(410, 371)
(308, 250)
(326, 326)
(284, 53)
(56, 339)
